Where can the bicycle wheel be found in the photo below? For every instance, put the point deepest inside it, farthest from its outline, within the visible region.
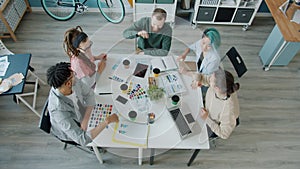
(112, 10)
(61, 10)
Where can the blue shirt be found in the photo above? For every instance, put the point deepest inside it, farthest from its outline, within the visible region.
(211, 60)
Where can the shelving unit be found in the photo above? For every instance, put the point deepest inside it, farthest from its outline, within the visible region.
(144, 8)
(11, 13)
(230, 12)
(186, 12)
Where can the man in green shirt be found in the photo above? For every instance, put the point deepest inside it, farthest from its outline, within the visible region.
(154, 35)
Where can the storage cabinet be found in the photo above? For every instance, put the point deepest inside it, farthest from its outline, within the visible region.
(232, 12)
(11, 13)
(144, 8)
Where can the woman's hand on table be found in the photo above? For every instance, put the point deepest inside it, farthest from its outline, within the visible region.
(195, 84)
(101, 66)
(203, 114)
(102, 56)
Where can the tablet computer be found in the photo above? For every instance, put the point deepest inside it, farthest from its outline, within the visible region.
(140, 70)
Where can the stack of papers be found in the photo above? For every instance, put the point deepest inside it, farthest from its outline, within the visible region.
(3, 65)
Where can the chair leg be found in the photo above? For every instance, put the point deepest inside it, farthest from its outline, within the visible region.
(152, 152)
(65, 146)
(14, 98)
(193, 157)
(30, 68)
(98, 155)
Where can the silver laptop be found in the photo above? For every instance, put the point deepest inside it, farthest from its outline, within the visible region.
(185, 120)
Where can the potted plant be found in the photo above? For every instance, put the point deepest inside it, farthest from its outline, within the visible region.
(155, 92)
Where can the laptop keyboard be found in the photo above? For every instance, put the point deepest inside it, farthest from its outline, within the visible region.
(181, 124)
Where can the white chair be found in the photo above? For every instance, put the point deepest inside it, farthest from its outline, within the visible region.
(35, 82)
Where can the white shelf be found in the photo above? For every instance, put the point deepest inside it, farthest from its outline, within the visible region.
(227, 12)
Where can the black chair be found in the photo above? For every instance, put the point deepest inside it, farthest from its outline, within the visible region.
(45, 125)
(212, 138)
(236, 61)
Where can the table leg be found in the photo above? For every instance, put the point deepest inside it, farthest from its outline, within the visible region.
(140, 156)
(152, 152)
(98, 155)
(275, 56)
(193, 157)
(34, 94)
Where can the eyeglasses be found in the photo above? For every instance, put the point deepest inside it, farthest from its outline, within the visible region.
(88, 47)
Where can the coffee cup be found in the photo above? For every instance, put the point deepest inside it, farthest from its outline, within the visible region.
(124, 87)
(132, 115)
(126, 63)
(175, 99)
(156, 72)
(151, 117)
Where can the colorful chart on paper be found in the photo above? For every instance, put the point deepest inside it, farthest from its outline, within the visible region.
(136, 91)
(99, 114)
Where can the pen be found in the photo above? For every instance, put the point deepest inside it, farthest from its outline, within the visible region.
(104, 93)
(164, 63)
(116, 79)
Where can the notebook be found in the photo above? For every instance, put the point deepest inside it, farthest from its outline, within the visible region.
(164, 63)
(190, 65)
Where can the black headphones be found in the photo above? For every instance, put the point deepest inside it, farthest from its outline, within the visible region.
(78, 39)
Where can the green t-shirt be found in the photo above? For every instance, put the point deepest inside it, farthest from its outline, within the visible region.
(158, 43)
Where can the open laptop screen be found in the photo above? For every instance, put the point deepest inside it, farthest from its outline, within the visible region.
(180, 122)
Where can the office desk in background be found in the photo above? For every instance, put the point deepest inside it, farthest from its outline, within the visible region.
(284, 41)
(19, 63)
(163, 133)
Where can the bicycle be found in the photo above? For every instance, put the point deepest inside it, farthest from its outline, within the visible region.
(63, 10)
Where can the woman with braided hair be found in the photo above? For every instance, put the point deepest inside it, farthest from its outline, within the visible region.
(77, 45)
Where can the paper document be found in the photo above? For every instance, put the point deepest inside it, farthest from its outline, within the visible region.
(131, 133)
(164, 63)
(3, 65)
(172, 83)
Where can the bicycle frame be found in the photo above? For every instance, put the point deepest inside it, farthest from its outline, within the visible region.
(78, 4)
(112, 10)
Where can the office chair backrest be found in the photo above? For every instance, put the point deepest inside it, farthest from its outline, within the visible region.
(237, 61)
(4, 50)
(45, 123)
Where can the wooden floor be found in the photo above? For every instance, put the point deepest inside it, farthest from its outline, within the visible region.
(268, 137)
